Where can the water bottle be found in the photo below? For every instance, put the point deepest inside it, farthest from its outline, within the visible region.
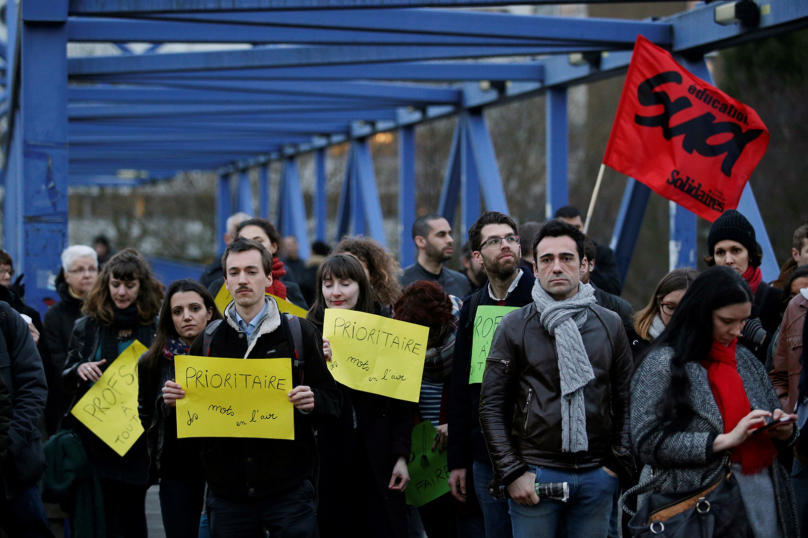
(559, 491)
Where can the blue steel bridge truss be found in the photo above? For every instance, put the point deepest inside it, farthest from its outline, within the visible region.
(310, 74)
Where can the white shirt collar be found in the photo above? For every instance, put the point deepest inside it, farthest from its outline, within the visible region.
(510, 289)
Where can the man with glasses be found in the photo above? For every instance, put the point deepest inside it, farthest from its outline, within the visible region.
(496, 246)
(79, 271)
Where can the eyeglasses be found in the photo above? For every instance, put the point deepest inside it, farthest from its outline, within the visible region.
(82, 270)
(497, 241)
(6, 270)
(668, 308)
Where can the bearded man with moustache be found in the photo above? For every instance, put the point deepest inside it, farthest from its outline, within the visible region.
(495, 245)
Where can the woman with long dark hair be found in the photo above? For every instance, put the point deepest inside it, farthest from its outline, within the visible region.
(187, 310)
(364, 455)
(120, 308)
(652, 320)
(697, 397)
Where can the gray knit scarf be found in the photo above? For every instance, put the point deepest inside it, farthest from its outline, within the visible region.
(656, 328)
(563, 320)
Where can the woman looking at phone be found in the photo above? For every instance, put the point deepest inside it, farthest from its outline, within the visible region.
(698, 396)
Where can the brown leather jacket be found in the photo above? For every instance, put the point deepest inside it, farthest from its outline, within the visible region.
(522, 374)
(786, 367)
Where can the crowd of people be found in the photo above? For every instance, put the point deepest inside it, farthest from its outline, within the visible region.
(590, 420)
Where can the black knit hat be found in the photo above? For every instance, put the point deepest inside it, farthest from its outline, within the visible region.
(732, 225)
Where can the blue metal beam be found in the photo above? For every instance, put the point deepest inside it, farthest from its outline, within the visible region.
(557, 151)
(413, 71)
(122, 7)
(44, 166)
(452, 182)
(344, 208)
(469, 180)
(406, 194)
(245, 194)
(292, 210)
(368, 191)
(485, 161)
(320, 195)
(749, 208)
(224, 207)
(431, 22)
(629, 222)
(288, 57)
(263, 191)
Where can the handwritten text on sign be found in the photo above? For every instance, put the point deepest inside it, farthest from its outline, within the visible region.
(485, 324)
(234, 397)
(223, 299)
(429, 471)
(376, 354)
(109, 408)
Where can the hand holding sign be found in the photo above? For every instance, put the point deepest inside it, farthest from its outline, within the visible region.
(238, 398)
(376, 354)
(429, 470)
(109, 408)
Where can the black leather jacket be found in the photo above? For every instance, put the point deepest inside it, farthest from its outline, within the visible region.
(522, 373)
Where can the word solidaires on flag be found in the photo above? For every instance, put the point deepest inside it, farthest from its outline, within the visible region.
(234, 397)
(376, 354)
(109, 408)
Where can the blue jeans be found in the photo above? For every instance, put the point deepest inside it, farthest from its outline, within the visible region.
(289, 515)
(585, 514)
(495, 512)
(24, 515)
(799, 480)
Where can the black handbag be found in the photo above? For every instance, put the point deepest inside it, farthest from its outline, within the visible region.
(715, 511)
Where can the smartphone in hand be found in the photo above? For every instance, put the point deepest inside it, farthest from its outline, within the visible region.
(774, 424)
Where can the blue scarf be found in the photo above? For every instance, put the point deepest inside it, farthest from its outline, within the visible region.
(175, 346)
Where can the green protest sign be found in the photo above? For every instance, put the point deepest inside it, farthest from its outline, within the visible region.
(486, 322)
(429, 471)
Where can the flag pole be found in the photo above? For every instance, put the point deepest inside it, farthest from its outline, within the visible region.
(594, 198)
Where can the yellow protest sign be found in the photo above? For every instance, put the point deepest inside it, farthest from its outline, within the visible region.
(485, 324)
(234, 397)
(376, 354)
(223, 299)
(109, 408)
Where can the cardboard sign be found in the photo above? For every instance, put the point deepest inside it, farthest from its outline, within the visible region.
(429, 471)
(234, 397)
(109, 408)
(376, 354)
(485, 324)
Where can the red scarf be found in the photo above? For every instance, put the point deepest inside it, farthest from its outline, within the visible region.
(753, 277)
(278, 289)
(757, 452)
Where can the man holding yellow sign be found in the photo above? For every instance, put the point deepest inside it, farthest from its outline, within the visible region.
(264, 477)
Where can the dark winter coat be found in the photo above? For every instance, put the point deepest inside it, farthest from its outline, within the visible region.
(24, 377)
(212, 272)
(384, 429)
(452, 282)
(685, 461)
(767, 307)
(160, 424)
(54, 343)
(616, 304)
(606, 275)
(466, 443)
(133, 467)
(522, 374)
(239, 467)
(5, 422)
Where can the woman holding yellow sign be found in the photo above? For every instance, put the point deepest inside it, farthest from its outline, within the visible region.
(120, 312)
(364, 455)
(187, 310)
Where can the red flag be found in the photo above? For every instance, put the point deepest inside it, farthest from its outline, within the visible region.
(687, 140)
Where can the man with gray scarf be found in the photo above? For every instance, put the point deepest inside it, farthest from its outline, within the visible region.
(555, 397)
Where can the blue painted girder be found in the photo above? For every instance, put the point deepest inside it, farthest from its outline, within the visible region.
(408, 71)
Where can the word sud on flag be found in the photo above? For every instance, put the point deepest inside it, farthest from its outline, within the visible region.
(687, 140)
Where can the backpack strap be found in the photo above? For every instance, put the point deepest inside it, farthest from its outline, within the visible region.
(297, 338)
(207, 336)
